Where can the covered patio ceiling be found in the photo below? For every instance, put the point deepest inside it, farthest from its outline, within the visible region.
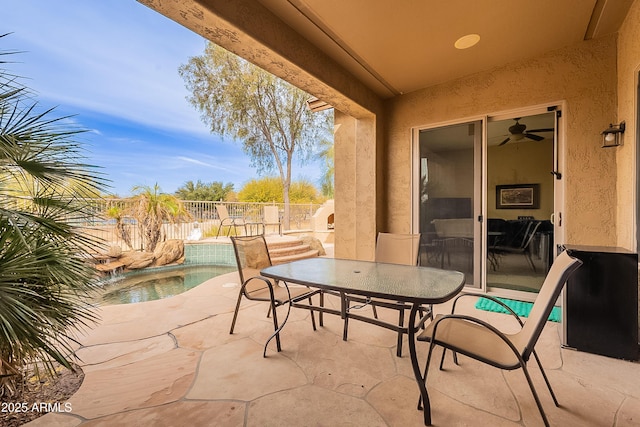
(366, 51)
(402, 46)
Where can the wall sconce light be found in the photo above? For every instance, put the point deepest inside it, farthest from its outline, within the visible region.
(612, 136)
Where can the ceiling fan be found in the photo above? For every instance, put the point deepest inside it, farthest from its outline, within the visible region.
(518, 131)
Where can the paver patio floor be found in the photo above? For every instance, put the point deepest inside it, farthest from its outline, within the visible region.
(172, 362)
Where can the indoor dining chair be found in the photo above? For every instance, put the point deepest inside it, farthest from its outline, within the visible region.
(481, 341)
(252, 255)
(524, 247)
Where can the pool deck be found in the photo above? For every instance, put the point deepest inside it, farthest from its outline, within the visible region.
(172, 362)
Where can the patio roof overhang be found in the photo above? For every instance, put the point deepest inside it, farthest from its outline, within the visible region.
(390, 51)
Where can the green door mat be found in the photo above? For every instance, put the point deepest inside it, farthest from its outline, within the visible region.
(521, 308)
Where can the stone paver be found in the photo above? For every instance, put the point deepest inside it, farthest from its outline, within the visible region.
(238, 371)
(111, 355)
(312, 405)
(154, 381)
(178, 414)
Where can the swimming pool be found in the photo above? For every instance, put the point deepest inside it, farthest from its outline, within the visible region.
(153, 284)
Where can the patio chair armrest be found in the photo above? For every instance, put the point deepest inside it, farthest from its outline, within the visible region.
(269, 286)
(229, 220)
(455, 300)
(311, 291)
(505, 306)
(492, 298)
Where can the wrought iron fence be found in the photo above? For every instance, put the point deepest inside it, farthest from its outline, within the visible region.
(203, 217)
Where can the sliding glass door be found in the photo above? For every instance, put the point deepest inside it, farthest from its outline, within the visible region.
(485, 195)
(448, 199)
(520, 201)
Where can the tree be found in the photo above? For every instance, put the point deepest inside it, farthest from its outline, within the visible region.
(264, 190)
(152, 208)
(123, 230)
(268, 115)
(269, 189)
(212, 191)
(45, 192)
(303, 191)
(327, 182)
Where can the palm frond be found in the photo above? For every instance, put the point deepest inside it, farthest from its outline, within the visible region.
(44, 278)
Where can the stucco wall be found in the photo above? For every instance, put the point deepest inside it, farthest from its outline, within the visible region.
(355, 187)
(584, 76)
(628, 68)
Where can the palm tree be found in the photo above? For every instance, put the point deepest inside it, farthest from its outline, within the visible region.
(152, 208)
(45, 188)
(122, 228)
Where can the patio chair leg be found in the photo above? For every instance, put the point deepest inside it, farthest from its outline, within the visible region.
(535, 395)
(546, 380)
(455, 358)
(235, 313)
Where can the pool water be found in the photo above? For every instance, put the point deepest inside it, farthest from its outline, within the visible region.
(157, 284)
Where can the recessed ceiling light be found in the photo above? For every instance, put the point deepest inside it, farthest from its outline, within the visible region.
(467, 41)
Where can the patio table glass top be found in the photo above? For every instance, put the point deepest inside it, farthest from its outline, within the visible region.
(388, 281)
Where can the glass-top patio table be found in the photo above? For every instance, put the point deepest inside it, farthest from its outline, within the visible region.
(408, 284)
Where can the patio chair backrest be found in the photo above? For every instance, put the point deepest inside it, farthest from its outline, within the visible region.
(563, 266)
(252, 255)
(223, 213)
(398, 248)
(271, 215)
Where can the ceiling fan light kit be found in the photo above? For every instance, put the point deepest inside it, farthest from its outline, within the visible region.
(518, 132)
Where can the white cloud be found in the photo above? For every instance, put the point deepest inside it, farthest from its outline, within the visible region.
(194, 161)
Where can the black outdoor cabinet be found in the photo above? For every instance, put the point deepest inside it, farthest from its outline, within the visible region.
(600, 313)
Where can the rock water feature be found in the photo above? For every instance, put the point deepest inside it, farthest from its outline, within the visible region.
(115, 260)
(138, 276)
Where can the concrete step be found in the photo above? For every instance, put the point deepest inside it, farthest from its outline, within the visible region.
(283, 243)
(288, 250)
(294, 257)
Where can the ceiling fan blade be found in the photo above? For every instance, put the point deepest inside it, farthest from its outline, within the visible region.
(504, 142)
(534, 137)
(541, 130)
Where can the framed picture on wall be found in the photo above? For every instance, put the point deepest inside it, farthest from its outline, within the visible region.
(518, 196)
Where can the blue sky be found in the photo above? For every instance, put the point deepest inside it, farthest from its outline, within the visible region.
(114, 66)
